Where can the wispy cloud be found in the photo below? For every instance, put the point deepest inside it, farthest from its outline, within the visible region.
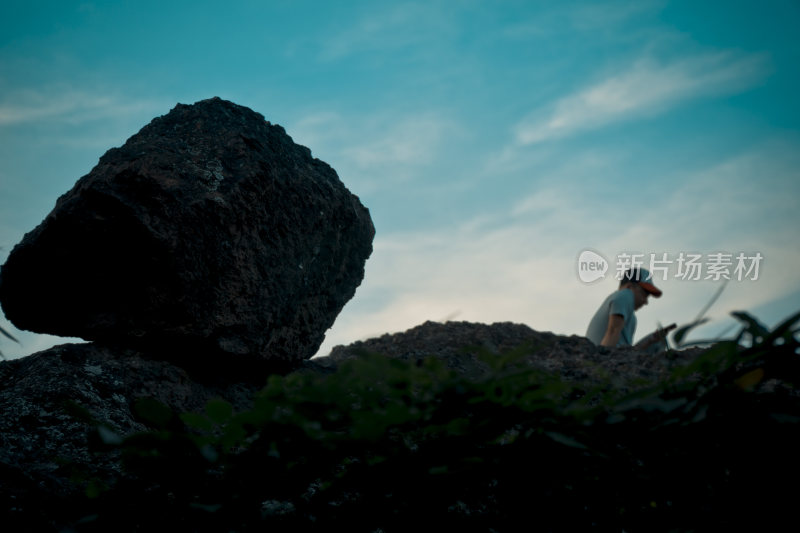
(610, 14)
(554, 18)
(390, 27)
(647, 88)
(484, 276)
(409, 142)
(522, 266)
(382, 148)
(68, 105)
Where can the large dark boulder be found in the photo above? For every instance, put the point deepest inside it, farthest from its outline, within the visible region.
(209, 230)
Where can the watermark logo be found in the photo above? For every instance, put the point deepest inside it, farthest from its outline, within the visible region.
(591, 266)
(687, 266)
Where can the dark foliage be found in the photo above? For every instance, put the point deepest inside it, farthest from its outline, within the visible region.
(388, 445)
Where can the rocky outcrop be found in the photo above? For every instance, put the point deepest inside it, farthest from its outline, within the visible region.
(462, 346)
(47, 462)
(209, 231)
(51, 402)
(42, 440)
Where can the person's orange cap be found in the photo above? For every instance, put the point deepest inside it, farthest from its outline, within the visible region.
(644, 279)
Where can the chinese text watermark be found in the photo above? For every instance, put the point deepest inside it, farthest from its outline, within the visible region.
(688, 266)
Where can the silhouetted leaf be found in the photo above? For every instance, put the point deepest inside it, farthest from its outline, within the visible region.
(9, 335)
(784, 328)
(754, 327)
(219, 411)
(79, 412)
(108, 436)
(153, 412)
(682, 331)
(564, 439)
(197, 421)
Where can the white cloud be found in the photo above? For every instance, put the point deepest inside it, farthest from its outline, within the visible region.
(521, 266)
(376, 151)
(409, 142)
(390, 27)
(553, 18)
(482, 276)
(647, 88)
(316, 129)
(67, 104)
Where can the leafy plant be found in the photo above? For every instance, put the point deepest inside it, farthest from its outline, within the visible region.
(680, 334)
(380, 443)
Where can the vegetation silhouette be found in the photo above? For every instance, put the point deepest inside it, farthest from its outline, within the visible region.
(385, 444)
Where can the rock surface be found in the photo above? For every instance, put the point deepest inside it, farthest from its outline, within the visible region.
(209, 230)
(38, 436)
(43, 444)
(461, 344)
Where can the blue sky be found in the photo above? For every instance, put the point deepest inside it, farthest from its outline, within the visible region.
(493, 142)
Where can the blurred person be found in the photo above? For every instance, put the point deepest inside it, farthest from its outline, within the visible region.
(614, 323)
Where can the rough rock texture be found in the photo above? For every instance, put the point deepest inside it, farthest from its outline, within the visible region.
(209, 230)
(459, 345)
(43, 443)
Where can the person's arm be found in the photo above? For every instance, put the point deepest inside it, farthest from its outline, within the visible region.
(614, 330)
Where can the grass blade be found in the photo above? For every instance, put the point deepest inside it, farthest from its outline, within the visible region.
(9, 335)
